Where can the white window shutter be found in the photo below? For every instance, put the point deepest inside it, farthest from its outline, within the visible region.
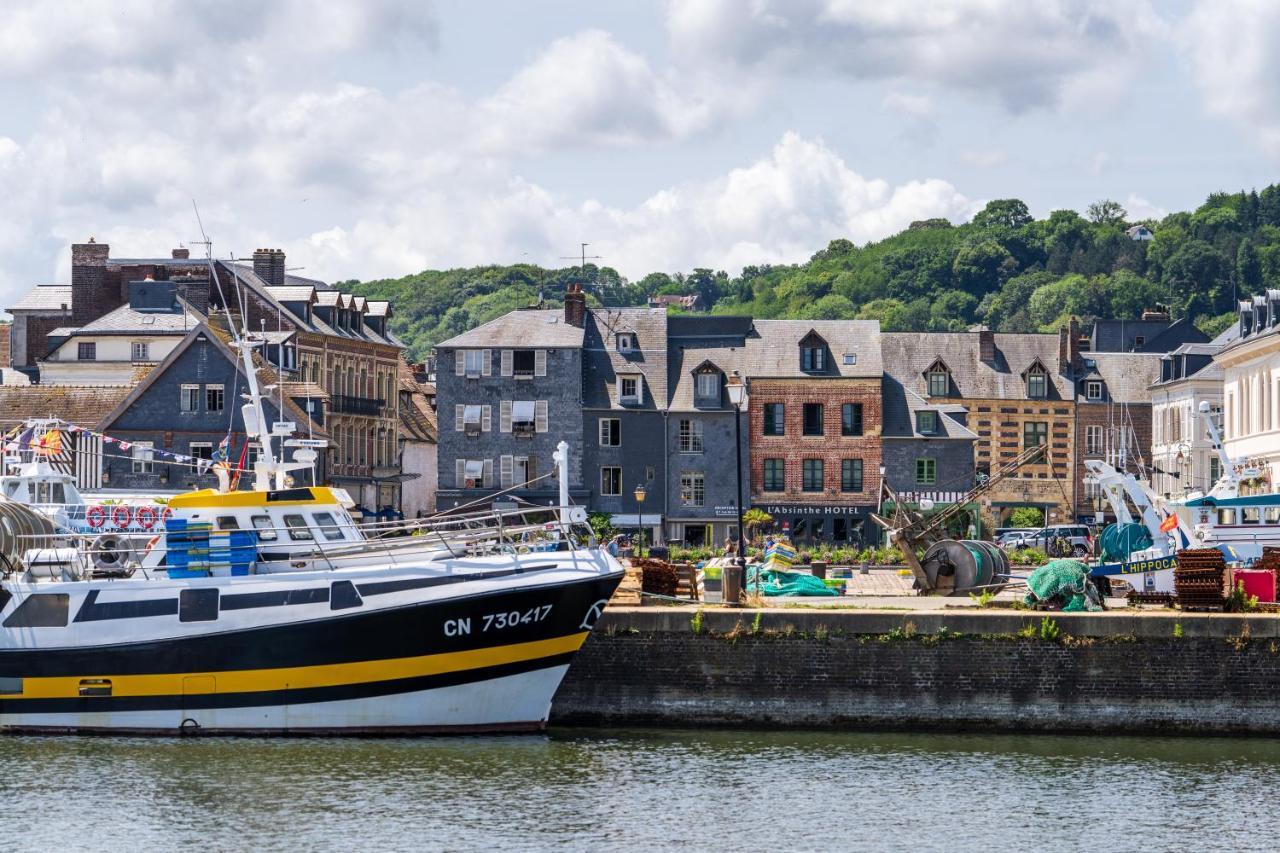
(504, 416)
(539, 362)
(486, 362)
(459, 363)
(460, 473)
(540, 416)
(457, 417)
(486, 418)
(603, 432)
(505, 467)
(506, 362)
(488, 473)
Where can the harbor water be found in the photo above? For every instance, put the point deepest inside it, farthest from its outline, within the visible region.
(583, 789)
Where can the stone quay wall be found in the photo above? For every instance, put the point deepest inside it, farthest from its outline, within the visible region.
(928, 670)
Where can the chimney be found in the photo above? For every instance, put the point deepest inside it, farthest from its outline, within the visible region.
(181, 254)
(268, 265)
(575, 305)
(987, 345)
(91, 294)
(1069, 346)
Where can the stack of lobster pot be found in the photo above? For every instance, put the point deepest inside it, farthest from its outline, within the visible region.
(1199, 580)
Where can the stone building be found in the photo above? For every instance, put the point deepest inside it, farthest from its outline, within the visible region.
(1182, 459)
(1113, 421)
(815, 426)
(39, 312)
(1018, 391)
(508, 392)
(624, 416)
(927, 451)
(701, 496)
(1250, 367)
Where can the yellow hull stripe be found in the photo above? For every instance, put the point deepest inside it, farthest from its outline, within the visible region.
(301, 677)
(211, 499)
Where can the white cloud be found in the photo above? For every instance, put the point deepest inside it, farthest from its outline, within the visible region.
(915, 106)
(1232, 48)
(1027, 54)
(1139, 208)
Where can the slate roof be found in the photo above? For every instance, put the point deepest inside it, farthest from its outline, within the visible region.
(379, 308)
(521, 328)
(602, 362)
(685, 360)
(1126, 377)
(901, 405)
(82, 405)
(773, 348)
(1158, 335)
(304, 389)
(708, 326)
(293, 294)
(126, 321)
(245, 274)
(908, 354)
(45, 297)
(327, 298)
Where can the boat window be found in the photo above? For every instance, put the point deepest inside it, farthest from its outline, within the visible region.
(1272, 515)
(228, 522)
(266, 530)
(1252, 515)
(329, 527)
(11, 488)
(1226, 515)
(344, 595)
(298, 529)
(45, 610)
(197, 605)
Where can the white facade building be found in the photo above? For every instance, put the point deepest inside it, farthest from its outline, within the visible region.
(1182, 457)
(1251, 394)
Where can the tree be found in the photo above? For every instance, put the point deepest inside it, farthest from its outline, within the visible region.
(1003, 213)
(1107, 212)
(753, 519)
(980, 268)
(831, 307)
(1248, 268)
(1027, 516)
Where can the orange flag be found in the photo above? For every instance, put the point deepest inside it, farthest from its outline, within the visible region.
(50, 443)
(1169, 523)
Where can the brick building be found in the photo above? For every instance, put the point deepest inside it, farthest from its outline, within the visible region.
(815, 426)
(1018, 390)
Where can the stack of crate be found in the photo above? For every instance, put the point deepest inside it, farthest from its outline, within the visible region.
(1199, 580)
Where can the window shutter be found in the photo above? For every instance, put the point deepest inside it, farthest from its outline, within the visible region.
(506, 362)
(540, 416)
(539, 362)
(457, 417)
(504, 416)
(604, 431)
(459, 473)
(505, 466)
(486, 362)
(459, 363)
(486, 418)
(488, 473)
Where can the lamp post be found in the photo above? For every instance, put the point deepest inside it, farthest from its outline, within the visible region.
(640, 495)
(736, 387)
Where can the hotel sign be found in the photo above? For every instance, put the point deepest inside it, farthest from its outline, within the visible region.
(816, 510)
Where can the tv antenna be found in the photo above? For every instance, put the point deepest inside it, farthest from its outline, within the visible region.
(584, 257)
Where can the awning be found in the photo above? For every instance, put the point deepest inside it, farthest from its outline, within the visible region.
(621, 519)
(522, 411)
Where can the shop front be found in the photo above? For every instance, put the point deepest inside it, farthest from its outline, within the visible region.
(706, 530)
(835, 524)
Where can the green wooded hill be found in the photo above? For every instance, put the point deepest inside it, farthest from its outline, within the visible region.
(1005, 269)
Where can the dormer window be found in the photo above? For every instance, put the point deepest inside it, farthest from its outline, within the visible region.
(708, 382)
(1093, 390)
(927, 422)
(1037, 383)
(627, 342)
(629, 390)
(813, 358)
(939, 382)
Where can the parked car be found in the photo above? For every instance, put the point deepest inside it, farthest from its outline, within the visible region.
(1056, 540)
(1005, 534)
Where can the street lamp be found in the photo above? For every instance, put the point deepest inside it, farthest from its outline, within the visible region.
(736, 387)
(640, 495)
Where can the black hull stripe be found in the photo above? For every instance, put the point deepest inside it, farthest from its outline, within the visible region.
(346, 636)
(275, 698)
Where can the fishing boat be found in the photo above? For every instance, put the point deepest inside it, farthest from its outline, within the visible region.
(270, 611)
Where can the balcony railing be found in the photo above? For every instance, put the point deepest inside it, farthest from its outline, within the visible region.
(345, 404)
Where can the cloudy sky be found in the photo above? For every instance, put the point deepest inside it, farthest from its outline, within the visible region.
(377, 138)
